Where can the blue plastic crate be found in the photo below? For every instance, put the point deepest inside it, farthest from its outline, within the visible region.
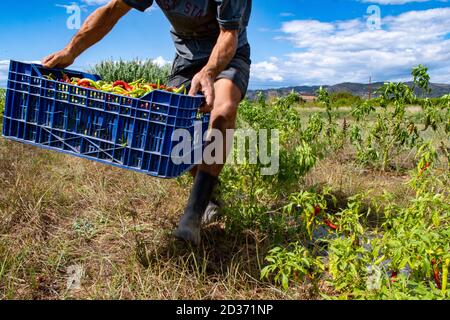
(134, 134)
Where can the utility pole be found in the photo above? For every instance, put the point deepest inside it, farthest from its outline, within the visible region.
(370, 88)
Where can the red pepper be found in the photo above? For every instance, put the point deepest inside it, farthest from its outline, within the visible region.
(394, 276)
(122, 84)
(425, 168)
(317, 210)
(436, 274)
(84, 83)
(66, 78)
(329, 224)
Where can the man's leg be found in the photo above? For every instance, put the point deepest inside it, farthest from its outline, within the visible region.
(223, 117)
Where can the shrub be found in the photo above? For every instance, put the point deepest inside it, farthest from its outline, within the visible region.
(130, 71)
(2, 100)
(344, 99)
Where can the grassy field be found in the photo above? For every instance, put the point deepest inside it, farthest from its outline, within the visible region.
(59, 213)
(359, 209)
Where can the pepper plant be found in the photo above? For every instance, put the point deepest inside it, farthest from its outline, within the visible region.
(392, 131)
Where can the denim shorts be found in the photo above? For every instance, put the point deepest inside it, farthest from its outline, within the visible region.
(238, 71)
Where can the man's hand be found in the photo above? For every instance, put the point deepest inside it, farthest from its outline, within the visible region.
(223, 52)
(204, 82)
(61, 59)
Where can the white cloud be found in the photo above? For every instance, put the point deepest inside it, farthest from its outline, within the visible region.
(95, 2)
(267, 71)
(332, 52)
(161, 62)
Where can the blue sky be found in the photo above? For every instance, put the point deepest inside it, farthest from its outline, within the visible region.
(295, 42)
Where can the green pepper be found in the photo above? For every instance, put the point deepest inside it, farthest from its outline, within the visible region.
(148, 88)
(50, 77)
(137, 93)
(95, 85)
(120, 90)
(180, 89)
(74, 80)
(107, 88)
(137, 82)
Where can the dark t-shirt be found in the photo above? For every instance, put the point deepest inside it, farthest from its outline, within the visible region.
(196, 23)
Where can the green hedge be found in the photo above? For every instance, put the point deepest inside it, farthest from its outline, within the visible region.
(344, 99)
(130, 71)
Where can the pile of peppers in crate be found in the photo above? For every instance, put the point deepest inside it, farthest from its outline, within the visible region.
(136, 89)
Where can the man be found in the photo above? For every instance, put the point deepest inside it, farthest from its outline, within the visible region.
(213, 56)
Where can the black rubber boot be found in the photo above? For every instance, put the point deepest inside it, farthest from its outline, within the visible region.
(190, 224)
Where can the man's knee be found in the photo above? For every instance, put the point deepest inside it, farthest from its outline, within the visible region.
(224, 115)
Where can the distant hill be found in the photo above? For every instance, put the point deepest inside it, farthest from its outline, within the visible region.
(356, 89)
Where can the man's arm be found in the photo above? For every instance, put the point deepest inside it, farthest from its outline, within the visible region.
(96, 26)
(222, 54)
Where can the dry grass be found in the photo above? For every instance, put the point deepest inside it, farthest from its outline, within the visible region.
(59, 211)
(344, 176)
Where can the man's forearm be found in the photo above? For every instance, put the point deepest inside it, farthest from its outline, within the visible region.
(223, 53)
(221, 56)
(97, 26)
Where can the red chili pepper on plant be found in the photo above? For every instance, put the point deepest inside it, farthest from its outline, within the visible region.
(424, 168)
(436, 274)
(394, 276)
(329, 224)
(317, 210)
